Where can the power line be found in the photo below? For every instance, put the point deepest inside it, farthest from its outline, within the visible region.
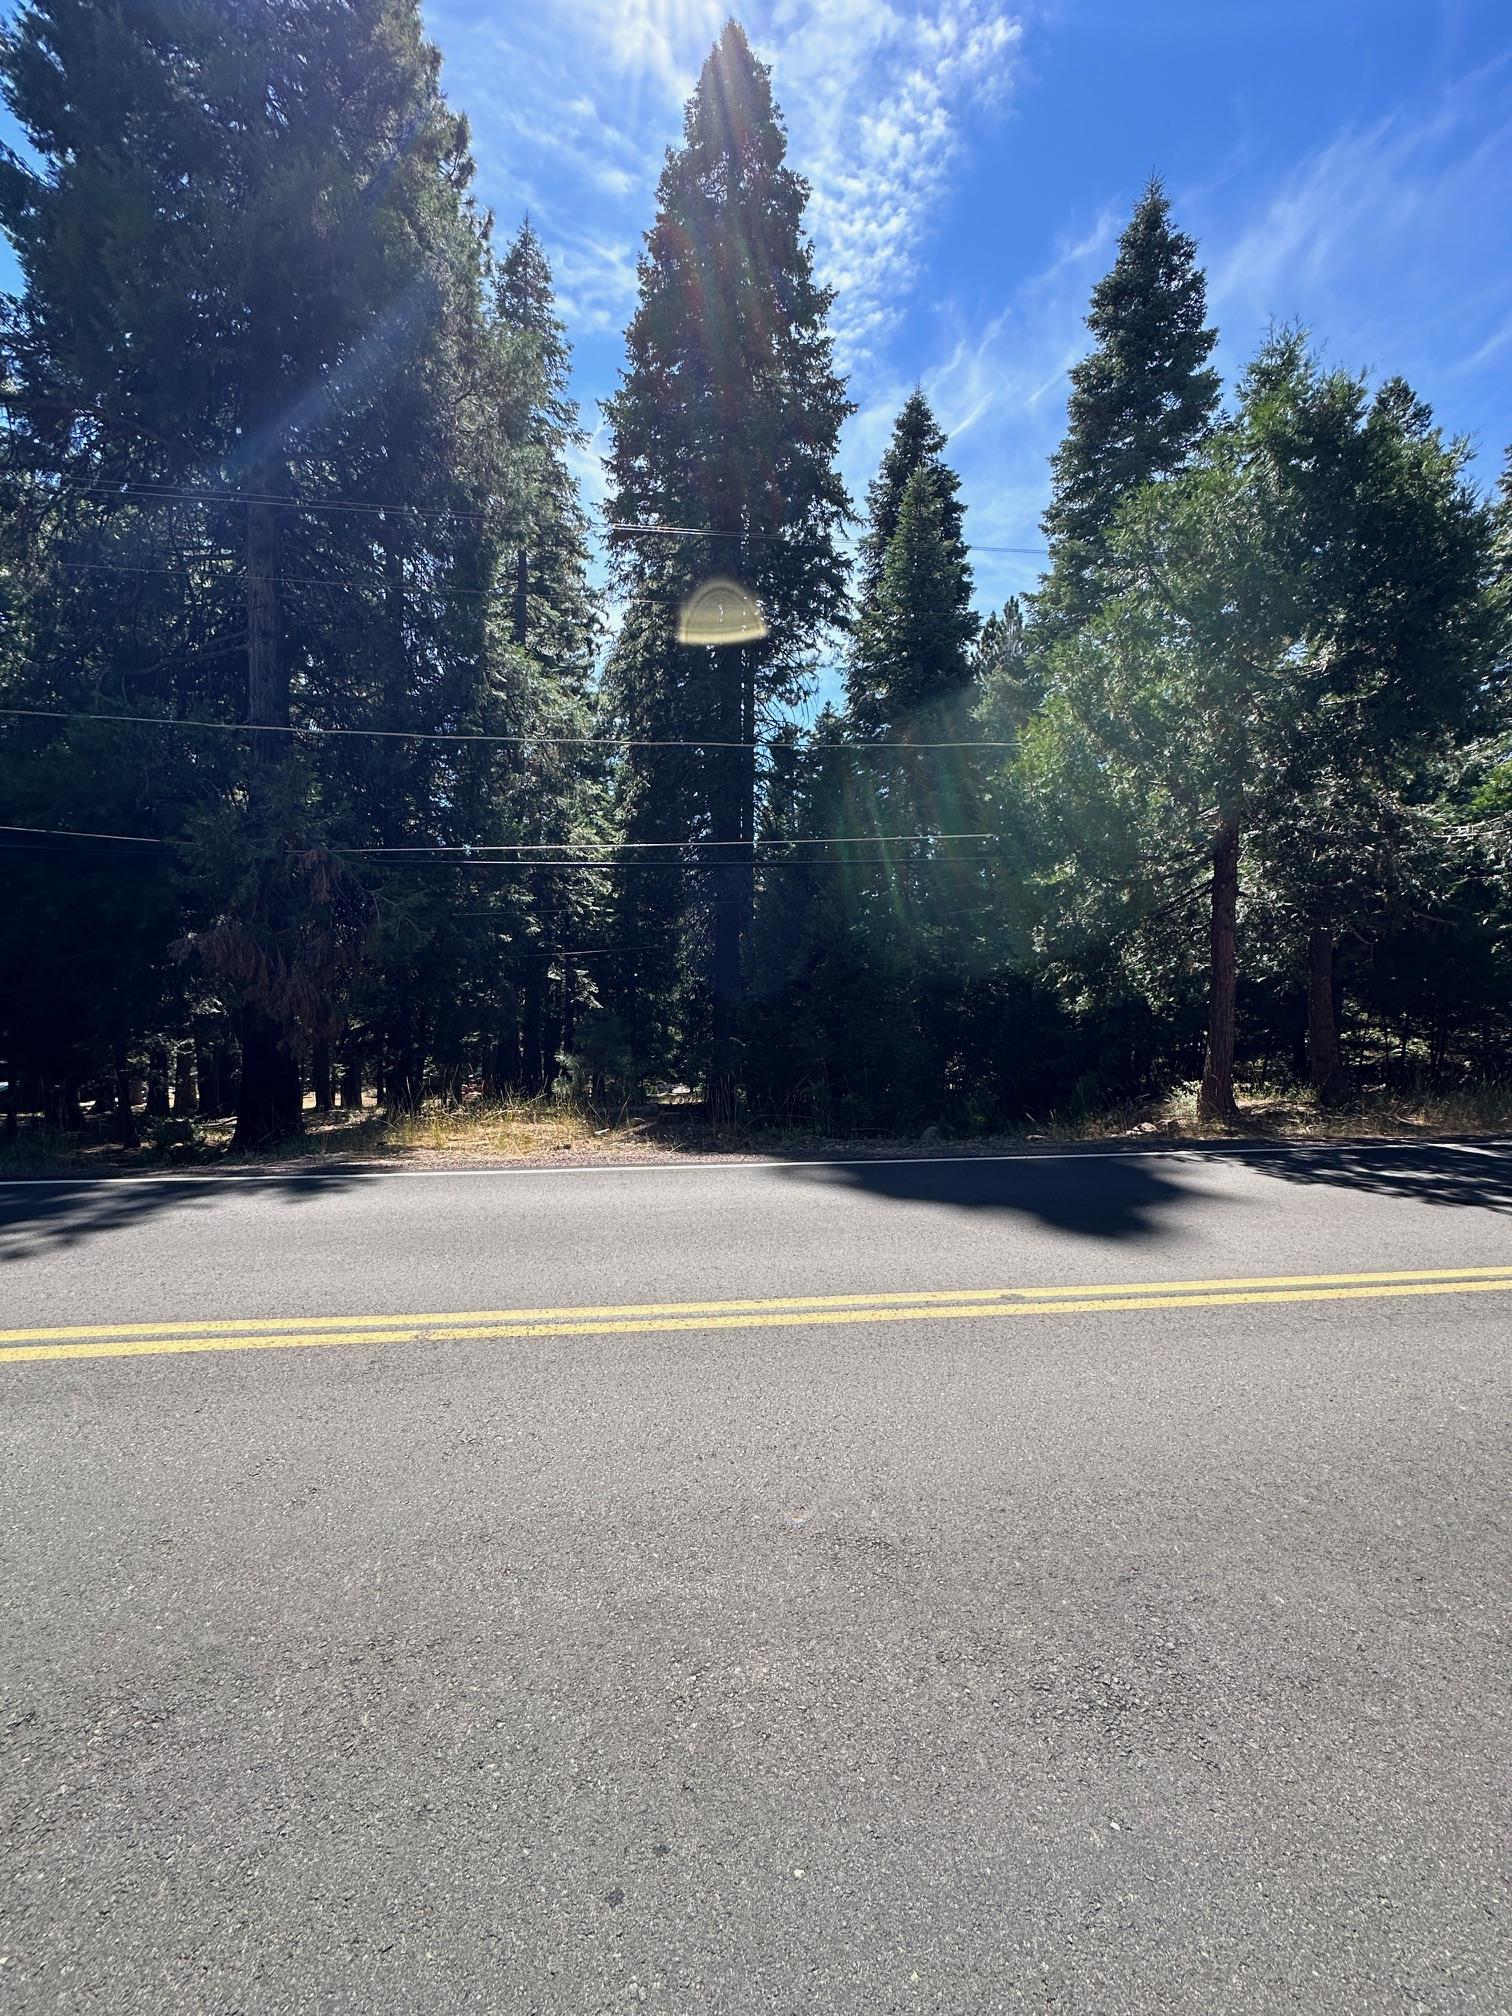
(486, 849)
(75, 833)
(765, 867)
(384, 507)
(471, 736)
(182, 573)
(171, 493)
(446, 859)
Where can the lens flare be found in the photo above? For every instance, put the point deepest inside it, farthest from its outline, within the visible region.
(720, 612)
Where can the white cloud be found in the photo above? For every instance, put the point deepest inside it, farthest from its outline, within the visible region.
(1390, 242)
(1386, 240)
(874, 98)
(588, 469)
(665, 40)
(595, 281)
(999, 392)
(574, 106)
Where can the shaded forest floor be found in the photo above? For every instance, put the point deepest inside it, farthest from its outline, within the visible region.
(548, 1133)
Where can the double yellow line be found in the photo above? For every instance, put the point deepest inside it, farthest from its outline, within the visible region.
(782, 1312)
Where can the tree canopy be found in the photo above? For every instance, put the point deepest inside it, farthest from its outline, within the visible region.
(347, 758)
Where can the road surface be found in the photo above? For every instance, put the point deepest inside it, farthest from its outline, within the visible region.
(1068, 1582)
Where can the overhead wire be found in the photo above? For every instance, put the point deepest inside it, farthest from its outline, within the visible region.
(384, 507)
(488, 848)
(527, 854)
(388, 861)
(479, 736)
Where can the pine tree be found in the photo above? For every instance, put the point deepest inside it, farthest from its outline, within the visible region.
(1378, 520)
(726, 419)
(917, 442)
(554, 630)
(1140, 403)
(865, 946)
(1300, 633)
(286, 321)
(914, 633)
(1163, 712)
(914, 621)
(909, 678)
(1006, 677)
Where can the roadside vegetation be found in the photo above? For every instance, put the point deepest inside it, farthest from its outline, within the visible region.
(328, 786)
(532, 1132)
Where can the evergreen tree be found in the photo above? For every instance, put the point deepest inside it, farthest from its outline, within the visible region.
(1004, 672)
(917, 442)
(559, 798)
(266, 399)
(1141, 403)
(726, 420)
(1162, 714)
(869, 945)
(914, 620)
(914, 633)
(1299, 635)
(1392, 542)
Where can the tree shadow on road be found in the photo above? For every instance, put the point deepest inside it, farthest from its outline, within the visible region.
(1105, 1197)
(1474, 1174)
(69, 1211)
(1117, 1194)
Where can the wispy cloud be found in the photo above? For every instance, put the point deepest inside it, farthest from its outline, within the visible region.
(874, 98)
(1387, 238)
(999, 391)
(1383, 241)
(590, 93)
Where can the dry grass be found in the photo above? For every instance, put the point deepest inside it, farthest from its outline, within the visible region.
(554, 1133)
(1275, 1113)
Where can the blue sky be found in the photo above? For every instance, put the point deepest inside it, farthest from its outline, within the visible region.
(1347, 165)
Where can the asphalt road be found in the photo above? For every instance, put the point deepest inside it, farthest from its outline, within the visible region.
(1075, 1582)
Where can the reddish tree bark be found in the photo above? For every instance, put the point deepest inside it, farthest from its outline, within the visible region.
(1215, 1100)
(1330, 1081)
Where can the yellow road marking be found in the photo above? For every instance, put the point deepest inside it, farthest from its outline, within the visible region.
(234, 1327)
(787, 1312)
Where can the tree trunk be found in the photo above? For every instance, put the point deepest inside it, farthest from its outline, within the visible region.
(157, 1081)
(351, 1078)
(267, 667)
(126, 1127)
(1330, 1081)
(269, 1089)
(61, 1109)
(569, 1008)
(185, 1090)
(506, 1064)
(531, 1017)
(553, 1021)
(405, 1086)
(269, 1104)
(206, 1080)
(1215, 1100)
(732, 818)
(227, 1078)
(320, 1077)
(521, 594)
(406, 1074)
(1297, 1008)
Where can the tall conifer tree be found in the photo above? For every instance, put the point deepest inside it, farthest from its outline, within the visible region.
(726, 420)
(1141, 402)
(284, 314)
